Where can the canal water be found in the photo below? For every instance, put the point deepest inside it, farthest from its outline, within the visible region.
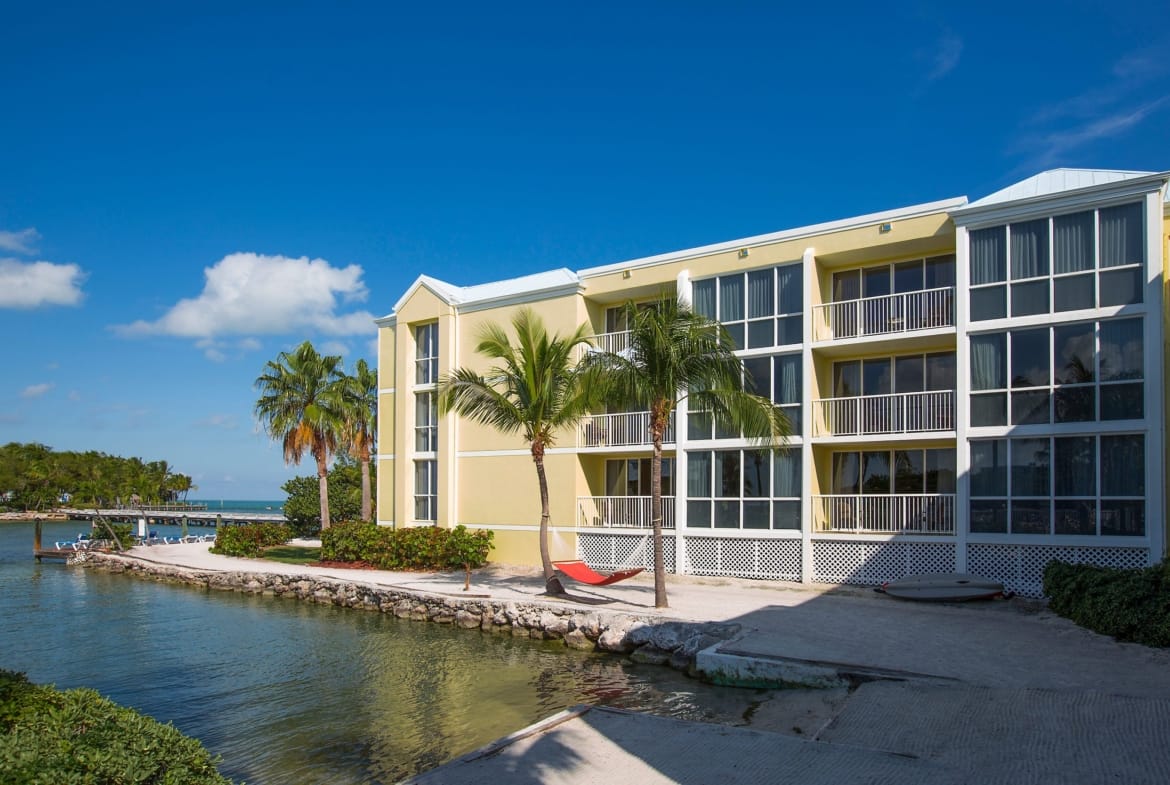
(288, 692)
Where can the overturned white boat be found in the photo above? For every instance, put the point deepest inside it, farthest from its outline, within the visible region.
(943, 587)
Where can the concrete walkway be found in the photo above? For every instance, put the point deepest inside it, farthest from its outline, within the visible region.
(1000, 691)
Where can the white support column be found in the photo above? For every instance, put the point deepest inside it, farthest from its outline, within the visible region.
(1155, 387)
(685, 294)
(809, 277)
(962, 399)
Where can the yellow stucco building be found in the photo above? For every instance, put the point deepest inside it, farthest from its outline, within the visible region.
(975, 387)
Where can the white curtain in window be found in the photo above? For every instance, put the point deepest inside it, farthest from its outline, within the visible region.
(1121, 235)
(731, 298)
(786, 481)
(760, 294)
(788, 378)
(1029, 249)
(987, 255)
(788, 280)
(988, 363)
(704, 298)
(1072, 242)
(699, 474)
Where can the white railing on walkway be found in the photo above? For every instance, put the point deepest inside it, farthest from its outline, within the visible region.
(622, 512)
(912, 513)
(893, 313)
(622, 429)
(874, 414)
(614, 343)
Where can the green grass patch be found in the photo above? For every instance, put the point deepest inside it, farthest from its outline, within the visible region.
(293, 554)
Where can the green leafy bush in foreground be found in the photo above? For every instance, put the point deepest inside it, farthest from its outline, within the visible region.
(423, 548)
(250, 540)
(54, 737)
(1130, 605)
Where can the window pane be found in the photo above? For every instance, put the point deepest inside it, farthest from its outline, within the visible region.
(875, 377)
(1121, 287)
(731, 298)
(786, 473)
(727, 514)
(735, 332)
(989, 517)
(699, 474)
(789, 282)
(1075, 471)
(758, 376)
(1075, 516)
(1030, 517)
(761, 333)
(757, 470)
(909, 474)
(846, 472)
(875, 477)
(727, 473)
(940, 471)
(987, 255)
(789, 330)
(1030, 298)
(846, 286)
(761, 297)
(875, 282)
(699, 515)
(1030, 407)
(988, 409)
(786, 515)
(1123, 518)
(1121, 350)
(755, 515)
(704, 298)
(989, 302)
(787, 388)
(1074, 404)
(1030, 358)
(847, 379)
(989, 361)
(910, 374)
(1072, 348)
(699, 425)
(908, 276)
(1123, 465)
(940, 371)
(1121, 235)
(989, 468)
(1072, 237)
(1072, 293)
(1030, 462)
(1122, 401)
(1029, 249)
(940, 272)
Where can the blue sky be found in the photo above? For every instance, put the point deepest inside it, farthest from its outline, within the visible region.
(187, 191)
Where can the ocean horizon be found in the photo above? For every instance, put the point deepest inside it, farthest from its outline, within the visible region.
(241, 505)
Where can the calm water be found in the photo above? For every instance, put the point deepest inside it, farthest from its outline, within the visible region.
(289, 692)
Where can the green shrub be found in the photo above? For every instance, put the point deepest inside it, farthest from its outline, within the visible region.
(49, 736)
(1130, 605)
(249, 540)
(422, 548)
(302, 507)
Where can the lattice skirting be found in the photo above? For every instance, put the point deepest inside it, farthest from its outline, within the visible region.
(866, 562)
(620, 551)
(744, 558)
(1020, 568)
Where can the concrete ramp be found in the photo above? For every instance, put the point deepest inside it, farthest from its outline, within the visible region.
(602, 746)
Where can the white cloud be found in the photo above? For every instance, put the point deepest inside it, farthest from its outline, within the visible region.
(227, 422)
(22, 242)
(250, 345)
(253, 294)
(36, 390)
(1054, 146)
(334, 347)
(33, 284)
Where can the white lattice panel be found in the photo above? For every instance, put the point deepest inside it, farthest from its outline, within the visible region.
(867, 562)
(621, 551)
(1020, 568)
(777, 559)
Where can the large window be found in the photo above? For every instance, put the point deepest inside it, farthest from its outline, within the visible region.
(426, 422)
(1064, 485)
(1069, 262)
(776, 377)
(1076, 372)
(743, 489)
(426, 490)
(760, 308)
(631, 477)
(426, 353)
(912, 471)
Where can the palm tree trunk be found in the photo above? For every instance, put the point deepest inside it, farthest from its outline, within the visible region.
(552, 584)
(656, 520)
(367, 507)
(323, 484)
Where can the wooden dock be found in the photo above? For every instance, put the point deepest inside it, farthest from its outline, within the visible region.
(192, 517)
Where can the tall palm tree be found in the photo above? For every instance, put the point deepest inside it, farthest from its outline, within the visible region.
(675, 353)
(534, 389)
(296, 407)
(356, 398)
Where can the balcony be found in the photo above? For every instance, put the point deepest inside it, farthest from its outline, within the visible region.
(913, 513)
(920, 412)
(894, 313)
(622, 512)
(614, 343)
(623, 429)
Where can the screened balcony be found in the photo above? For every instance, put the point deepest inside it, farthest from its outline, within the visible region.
(911, 513)
(888, 314)
(917, 412)
(621, 429)
(622, 512)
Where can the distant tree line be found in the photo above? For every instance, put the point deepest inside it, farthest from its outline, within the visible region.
(37, 477)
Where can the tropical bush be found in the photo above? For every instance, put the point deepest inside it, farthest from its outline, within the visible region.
(302, 508)
(1130, 605)
(249, 541)
(50, 736)
(422, 548)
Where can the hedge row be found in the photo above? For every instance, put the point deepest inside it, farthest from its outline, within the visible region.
(250, 540)
(1130, 605)
(423, 548)
(52, 737)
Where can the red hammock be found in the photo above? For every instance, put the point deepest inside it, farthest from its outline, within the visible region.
(580, 571)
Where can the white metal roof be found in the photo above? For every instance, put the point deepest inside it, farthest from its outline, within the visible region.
(1056, 181)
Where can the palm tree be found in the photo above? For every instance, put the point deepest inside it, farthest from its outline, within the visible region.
(296, 407)
(675, 353)
(356, 398)
(534, 389)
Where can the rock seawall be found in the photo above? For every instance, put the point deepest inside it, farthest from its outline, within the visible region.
(644, 639)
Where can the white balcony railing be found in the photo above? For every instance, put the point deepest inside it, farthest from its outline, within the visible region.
(913, 513)
(614, 343)
(623, 429)
(622, 512)
(893, 313)
(876, 414)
